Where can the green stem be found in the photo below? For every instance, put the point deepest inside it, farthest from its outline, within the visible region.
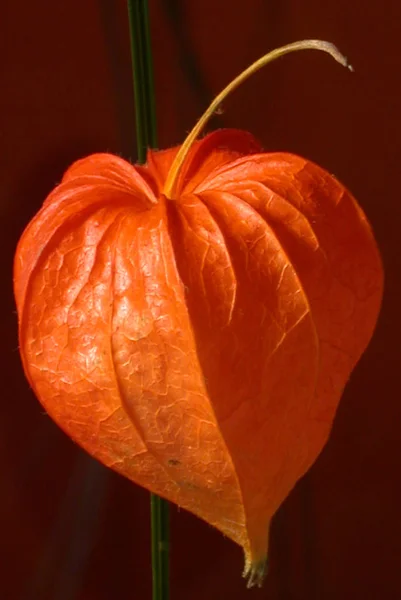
(142, 73)
(146, 137)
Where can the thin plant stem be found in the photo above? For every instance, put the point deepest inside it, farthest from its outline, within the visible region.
(142, 73)
(146, 137)
(179, 159)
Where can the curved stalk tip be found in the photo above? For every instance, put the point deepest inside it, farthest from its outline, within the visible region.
(179, 160)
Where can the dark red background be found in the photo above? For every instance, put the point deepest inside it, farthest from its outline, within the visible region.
(69, 528)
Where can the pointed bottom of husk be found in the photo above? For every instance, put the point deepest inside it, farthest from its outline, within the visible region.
(255, 572)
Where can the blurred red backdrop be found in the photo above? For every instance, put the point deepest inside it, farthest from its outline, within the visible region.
(70, 530)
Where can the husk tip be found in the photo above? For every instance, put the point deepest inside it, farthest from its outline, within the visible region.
(255, 572)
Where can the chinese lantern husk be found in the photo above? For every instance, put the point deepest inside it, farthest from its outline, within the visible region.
(200, 345)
